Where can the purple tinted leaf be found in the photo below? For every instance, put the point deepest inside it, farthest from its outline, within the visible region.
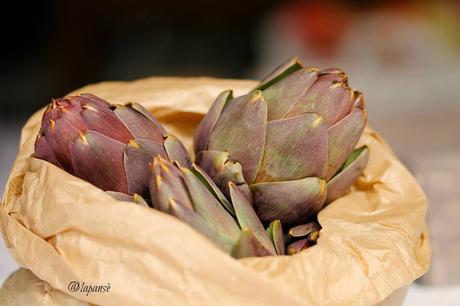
(209, 183)
(209, 121)
(222, 170)
(350, 172)
(208, 207)
(248, 246)
(148, 115)
(166, 183)
(295, 148)
(292, 202)
(284, 94)
(329, 97)
(99, 160)
(247, 217)
(240, 131)
(137, 156)
(59, 134)
(44, 151)
(296, 247)
(342, 138)
(280, 73)
(138, 125)
(103, 121)
(184, 213)
(176, 151)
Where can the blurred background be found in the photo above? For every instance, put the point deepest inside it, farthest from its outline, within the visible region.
(404, 55)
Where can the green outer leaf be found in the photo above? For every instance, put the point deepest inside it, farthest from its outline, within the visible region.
(188, 216)
(241, 130)
(207, 124)
(248, 246)
(166, 183)
(212, 187)
(351, 170)
(275, 232)
(176, 151)
(342, 139)
(295, 148)
(247, 217)
(282, 96)
(280, 72)
(222, 170)
(293, 202)
(352, 157)
(208, 207)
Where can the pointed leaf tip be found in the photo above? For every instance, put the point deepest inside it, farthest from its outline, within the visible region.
(176, 151)
(275, 232)
(209, 207)
(297, 246)
(247, 217)
(280, 72)
(207, 124)
(349, 173)
(248, 246)
(302, 230)
(212, 187)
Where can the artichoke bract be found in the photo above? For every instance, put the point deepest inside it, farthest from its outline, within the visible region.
(190, 195)
(301, 237)
(107, 145)
(289, 144)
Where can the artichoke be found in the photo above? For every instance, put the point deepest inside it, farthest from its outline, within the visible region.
(190, 195)
(107, 145)
(288, 144)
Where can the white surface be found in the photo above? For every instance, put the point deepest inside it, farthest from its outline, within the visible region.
(7, 263)
(9, 140)
(419, 295)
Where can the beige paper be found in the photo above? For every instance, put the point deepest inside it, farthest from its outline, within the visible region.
(23, 288)
(63, 229)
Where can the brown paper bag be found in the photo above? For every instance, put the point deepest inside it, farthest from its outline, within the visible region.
(64, 230)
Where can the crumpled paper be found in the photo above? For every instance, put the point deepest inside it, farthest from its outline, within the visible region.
(63, 229)
(23, 288)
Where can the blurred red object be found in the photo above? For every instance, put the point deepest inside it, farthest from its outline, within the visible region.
(320, 27)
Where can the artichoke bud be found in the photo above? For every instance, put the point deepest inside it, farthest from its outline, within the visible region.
(287, 140)
(107, 145)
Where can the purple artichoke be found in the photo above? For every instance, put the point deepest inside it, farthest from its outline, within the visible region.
(289, 144)
(190, 195)
(107, 145)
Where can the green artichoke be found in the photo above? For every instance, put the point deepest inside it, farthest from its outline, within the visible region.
(107, 145)
(190, 195)
(288, 144)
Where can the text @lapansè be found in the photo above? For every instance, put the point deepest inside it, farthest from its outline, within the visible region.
(76, 286)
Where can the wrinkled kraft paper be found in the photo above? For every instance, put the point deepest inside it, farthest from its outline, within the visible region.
(373, 244)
